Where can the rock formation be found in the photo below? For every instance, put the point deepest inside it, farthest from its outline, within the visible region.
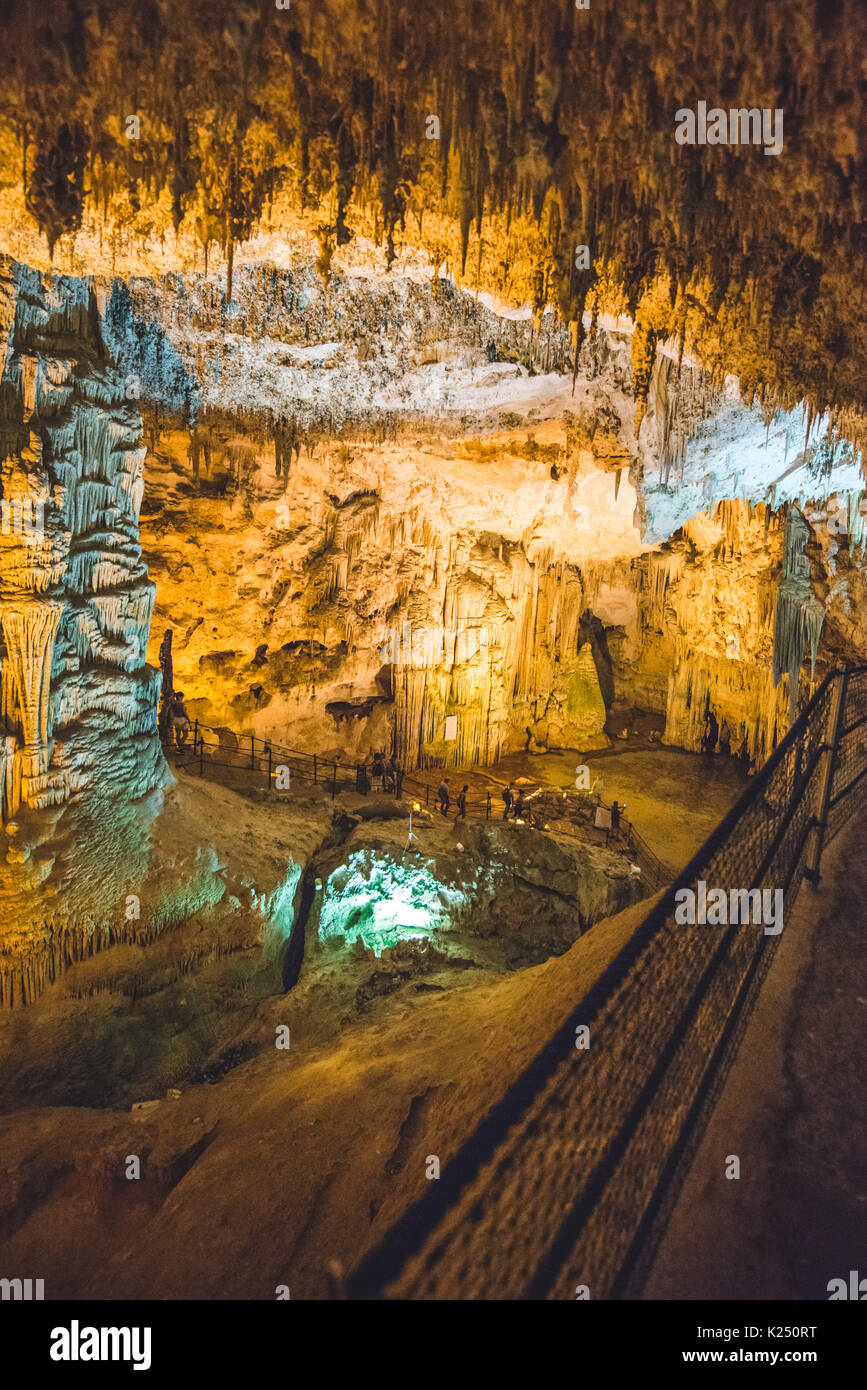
(434, 552)
(425, 540)
(256, 120)
(77, 700)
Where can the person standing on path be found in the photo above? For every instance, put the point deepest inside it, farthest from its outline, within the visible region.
(443, 794)
(180, 719)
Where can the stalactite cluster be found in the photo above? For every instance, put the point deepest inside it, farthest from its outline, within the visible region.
(501, 139)
(40, 952)
(521, 667)
(713, 597)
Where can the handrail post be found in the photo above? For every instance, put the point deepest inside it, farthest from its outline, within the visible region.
(269, 767)
(195, 736)
(314, 769)
(252, 752)
(835, 724)
(488, 806)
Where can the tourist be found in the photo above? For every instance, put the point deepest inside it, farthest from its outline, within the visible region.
(444, 796)
(462, 804)
(377, 773)
(508, 798)
(180, 719)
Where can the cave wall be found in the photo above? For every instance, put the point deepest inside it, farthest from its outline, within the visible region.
(352, 544)
(304, 608)
(354, 547)
(375, 592)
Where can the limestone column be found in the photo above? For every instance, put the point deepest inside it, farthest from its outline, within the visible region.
(30, 628)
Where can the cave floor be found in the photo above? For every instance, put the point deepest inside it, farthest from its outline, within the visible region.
(674, 799)
(794, 1110)
(263, 1175)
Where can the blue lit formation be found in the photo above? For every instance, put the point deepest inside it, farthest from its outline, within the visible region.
(384, 901)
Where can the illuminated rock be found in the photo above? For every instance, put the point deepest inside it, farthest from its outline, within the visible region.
(584, 723)
(29, 629)
(78, 701)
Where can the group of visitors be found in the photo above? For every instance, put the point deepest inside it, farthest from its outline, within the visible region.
(445, 799)
(514, 802)
(384, 774)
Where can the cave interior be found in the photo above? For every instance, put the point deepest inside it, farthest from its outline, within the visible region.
(391, 394)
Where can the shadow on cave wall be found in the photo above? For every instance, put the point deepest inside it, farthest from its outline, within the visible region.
(140, 350)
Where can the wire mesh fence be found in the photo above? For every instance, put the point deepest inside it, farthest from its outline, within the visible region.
(568, 1181)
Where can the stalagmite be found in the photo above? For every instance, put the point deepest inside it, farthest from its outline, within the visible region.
(584, 704)
(856, 522)
(793, 599)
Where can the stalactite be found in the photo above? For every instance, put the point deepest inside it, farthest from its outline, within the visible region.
(29, 628)
(856, 523)
(664, 569)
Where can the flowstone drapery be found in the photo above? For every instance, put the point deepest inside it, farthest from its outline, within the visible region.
(29, 629)
(77, 703)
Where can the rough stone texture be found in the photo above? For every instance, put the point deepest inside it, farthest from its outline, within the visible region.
(341, 1095)
(531, 891)
(354, 541)
(76, 696)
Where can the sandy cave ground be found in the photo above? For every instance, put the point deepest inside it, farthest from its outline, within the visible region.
(271, 1162)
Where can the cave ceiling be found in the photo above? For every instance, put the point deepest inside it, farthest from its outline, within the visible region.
(554, 128)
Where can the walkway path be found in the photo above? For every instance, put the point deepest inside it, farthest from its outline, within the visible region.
(674, 799)
(794, 1110)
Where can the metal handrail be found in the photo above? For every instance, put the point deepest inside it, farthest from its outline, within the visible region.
(382, 1266)
(339, 774)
